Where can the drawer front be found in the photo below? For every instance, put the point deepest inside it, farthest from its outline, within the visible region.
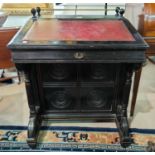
(60, 55)
(78, 56)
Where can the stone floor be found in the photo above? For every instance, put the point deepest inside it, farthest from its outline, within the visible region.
(14, 108)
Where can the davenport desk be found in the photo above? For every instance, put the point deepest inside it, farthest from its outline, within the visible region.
(78, 69)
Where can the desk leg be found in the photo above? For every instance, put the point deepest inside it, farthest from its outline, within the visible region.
(35, 106)
(27, 72)
(135, 89)
(33, 130)
(123, 126)
(121, 114)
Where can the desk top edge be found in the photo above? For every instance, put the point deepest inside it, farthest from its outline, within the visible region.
(16, 42)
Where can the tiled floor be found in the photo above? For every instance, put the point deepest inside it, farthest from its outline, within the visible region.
(14, 108)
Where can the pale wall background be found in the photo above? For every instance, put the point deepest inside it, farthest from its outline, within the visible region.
(133, 10)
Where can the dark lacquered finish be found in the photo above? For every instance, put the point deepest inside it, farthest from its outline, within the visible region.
(78, 80)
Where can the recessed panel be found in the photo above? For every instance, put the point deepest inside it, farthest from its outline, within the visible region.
(60, 99)
(97, 99)
(59, 72)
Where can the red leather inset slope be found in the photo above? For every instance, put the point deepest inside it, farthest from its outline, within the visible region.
(78, 30)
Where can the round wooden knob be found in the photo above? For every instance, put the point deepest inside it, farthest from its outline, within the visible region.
(117, 11)
(38, 11)
(33, 11)
(121, 11)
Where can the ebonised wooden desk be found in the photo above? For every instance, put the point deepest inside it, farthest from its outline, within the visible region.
(78, 69)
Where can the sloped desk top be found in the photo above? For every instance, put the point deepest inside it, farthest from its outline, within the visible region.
(78, 30)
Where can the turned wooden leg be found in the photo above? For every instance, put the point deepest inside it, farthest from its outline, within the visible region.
(121, 111)
(135, 90)
(33, 130)
(125, 139)
(123, 126)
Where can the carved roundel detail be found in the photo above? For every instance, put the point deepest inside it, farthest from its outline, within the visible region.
(59, 71)
(60, 99)
(98, 71)
(96, 99)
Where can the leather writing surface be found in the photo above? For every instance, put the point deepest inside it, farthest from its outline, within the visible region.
(78, 30)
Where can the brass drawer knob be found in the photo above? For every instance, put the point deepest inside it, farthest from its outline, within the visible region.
(79, 55)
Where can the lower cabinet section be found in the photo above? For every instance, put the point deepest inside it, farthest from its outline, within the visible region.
(79, 87)
(78, 92)
(83, 99)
